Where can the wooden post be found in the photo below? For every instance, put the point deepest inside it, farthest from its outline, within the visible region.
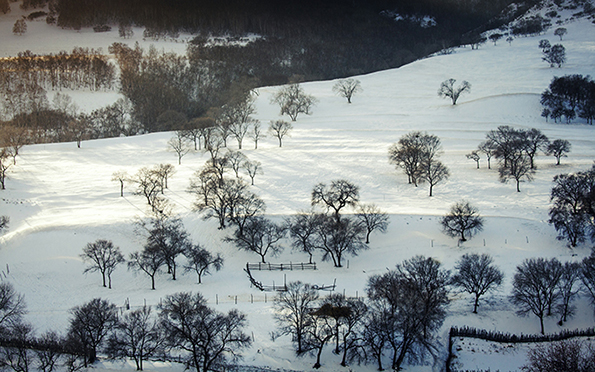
(236, 300)
(216, 299)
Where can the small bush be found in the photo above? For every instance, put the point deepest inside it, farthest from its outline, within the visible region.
(35, 15)
(102, 28)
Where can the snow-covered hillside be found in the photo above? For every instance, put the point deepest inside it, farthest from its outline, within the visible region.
(59, 197)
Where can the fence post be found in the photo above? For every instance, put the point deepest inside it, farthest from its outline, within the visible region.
(265, 298)
(290, 266)
(236, 300)
(269, 266)
(281, 267)
(251, 298)
(216, 299)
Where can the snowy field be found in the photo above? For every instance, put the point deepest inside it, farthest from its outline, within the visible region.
(59, 197)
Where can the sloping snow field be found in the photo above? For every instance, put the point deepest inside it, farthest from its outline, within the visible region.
(59, 197)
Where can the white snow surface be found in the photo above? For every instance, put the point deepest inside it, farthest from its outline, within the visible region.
(59, 197)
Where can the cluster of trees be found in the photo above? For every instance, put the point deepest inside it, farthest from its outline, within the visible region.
(184, 327)
(83, 68)
(569, 96)
(166, 240)
(331, 232)
(546, 287)
(553, 54)
(516, 149)
(417, 154)
(406, 306)
(573, 206)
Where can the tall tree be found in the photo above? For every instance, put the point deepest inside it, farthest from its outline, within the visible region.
(336, 196)
(335, 238)
(412, 152)
(137, 335)
(448, 90)
(179, 145)
(149, 261)
(462, 218)
(103, 256)
(261, 236)
(280, 129)
(90, 324)
(302, 228)
(413, 297)
(347, 88)
(477, 275)
(207, 336)
(534, 287)
(202, 261)
(372, 218)
(293, 100)
(292, 309)
(558, 148)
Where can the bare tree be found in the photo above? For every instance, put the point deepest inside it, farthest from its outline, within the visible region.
(202, 261)
(558, 148)
(19, 27)
(103, 257)
(318, 332)
(588, 275)
(50, 352)
(4, 165)
(16, 354)
(293, 101)
(556, 55)
(411, 303)
(518, 169)
(434, 172)
(372, 218)
(137, 335)
(120, 176)
(261, 236)
(235, 159)
(149, 261)
(336, 196)
(4, 221)
(206, 335)
(567, 355)
(302, 228)
(534, 141)
(12, 139)
(487, 147)
(462, 218)
(347, 88)
(90, 324)
(474, 155)
(148, 184)
(335, 238)
(280, 129)
(568, 287)
(256, 133)
(560, 31)
(535, 287)
(168, 237)
(252, 168)
(179, 145)
(412, 152)
(448, 90)
(477, 275)
(292, 309)
(12, 306)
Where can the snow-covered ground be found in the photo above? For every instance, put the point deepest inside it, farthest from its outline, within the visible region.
(59, 197)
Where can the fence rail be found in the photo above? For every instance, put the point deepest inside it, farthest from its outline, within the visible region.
(280, 267)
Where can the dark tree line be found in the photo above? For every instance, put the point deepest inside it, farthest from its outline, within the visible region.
(357, 37)
(569, 96)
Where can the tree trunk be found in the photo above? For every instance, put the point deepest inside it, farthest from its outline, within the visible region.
(153, 282)
(317, 364)
(518, 182)
(368, 236)
(109, 280)
(541, 324)
(431, 187)
(103, 275)
(476, 303)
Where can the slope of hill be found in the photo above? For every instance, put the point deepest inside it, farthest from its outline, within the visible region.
(59, 197)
